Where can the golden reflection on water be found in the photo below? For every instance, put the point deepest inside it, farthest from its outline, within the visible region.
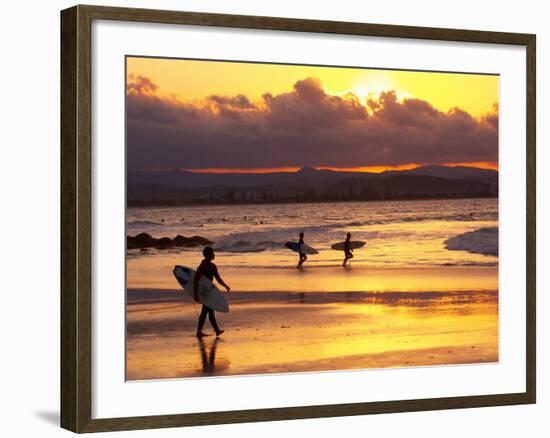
(156, 273)
(315, 335)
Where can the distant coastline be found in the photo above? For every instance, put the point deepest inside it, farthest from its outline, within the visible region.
(199, 203)
(308, 185)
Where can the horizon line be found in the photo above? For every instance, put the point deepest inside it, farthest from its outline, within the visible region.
(486, 165)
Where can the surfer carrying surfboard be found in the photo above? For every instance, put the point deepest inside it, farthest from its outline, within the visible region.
(210, 271)
(301, 252)
(348, 252)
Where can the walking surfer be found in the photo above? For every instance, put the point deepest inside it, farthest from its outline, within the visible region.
(348, 252)
(301, 253)
(210, 271)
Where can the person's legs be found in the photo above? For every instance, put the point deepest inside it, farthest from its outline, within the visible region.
(202, 319)
(212, 318)
(303, 258)
(347, 256)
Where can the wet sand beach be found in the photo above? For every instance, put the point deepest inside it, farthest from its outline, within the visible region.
(156, 273)
(273, 332)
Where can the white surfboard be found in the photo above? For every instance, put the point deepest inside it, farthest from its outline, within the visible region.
(354, 244)
(295, 246)
(208, 293)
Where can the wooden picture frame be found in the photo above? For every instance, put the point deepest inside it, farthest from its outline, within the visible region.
(76, 217)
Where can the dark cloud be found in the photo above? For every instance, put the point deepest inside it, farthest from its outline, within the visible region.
(140, 85)
(492, 117)
(238, 102)
(308, 109)
(306, 126)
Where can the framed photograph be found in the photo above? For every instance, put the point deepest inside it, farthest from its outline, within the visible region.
(270, 218)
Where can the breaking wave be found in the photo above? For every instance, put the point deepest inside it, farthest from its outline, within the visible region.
(482, 241)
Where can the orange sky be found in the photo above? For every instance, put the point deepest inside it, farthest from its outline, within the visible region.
(371, 169)
(193, 82)
(191, 79)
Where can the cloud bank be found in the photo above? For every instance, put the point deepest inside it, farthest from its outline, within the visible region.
(303, 127)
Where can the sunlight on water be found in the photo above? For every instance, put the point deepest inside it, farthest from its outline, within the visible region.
(156, 273)
(263, 337)
(400, 235)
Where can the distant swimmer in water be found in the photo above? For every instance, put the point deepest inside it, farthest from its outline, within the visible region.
(348, 252)
(210, 271)
(301, 253)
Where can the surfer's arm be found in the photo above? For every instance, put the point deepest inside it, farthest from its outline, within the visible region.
(219, 280)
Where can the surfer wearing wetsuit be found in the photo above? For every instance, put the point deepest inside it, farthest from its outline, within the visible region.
(301, 253)
(348, 252)
(210, 271)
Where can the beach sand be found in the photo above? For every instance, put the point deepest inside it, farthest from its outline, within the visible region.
(156, 273)
(275, 332)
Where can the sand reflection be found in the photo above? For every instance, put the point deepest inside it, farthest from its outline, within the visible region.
(207, 350)
(289, 332)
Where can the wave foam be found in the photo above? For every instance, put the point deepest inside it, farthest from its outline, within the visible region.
(482, 241)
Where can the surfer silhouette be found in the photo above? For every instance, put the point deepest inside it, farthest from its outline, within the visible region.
(210, 271)
(348, 252)
(301, 253)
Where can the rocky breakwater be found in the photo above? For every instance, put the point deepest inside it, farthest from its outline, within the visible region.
(144, 240)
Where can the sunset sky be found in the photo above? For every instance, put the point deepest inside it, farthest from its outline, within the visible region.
(224, 116)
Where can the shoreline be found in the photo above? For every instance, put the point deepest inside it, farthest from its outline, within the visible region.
(359, 278)
(143, 296)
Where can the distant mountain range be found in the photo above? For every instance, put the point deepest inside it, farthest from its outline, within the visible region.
(180, 187)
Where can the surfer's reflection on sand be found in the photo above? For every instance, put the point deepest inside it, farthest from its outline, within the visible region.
(208, 357)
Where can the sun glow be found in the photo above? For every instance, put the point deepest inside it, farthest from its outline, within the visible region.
(370, 169)
(473, 93)
(491, 165)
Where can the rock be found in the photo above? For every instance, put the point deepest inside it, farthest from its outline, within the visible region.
(190, 242)
(145, 240)
(142, 240)
(163, 243)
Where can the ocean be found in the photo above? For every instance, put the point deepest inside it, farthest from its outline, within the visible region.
(397, 233)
